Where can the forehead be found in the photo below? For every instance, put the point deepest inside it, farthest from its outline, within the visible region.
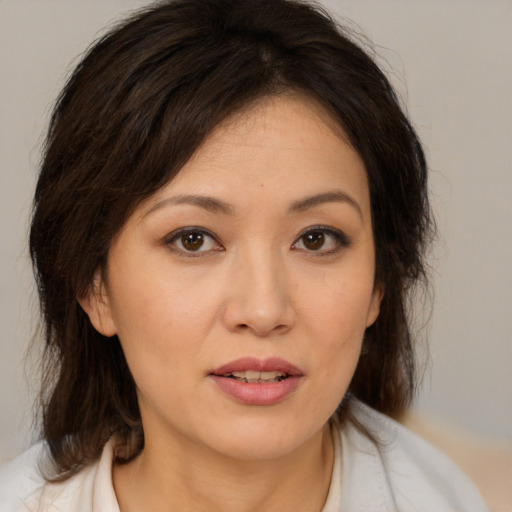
(280, 148)
(288, 111)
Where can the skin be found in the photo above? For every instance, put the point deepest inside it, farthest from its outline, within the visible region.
(257, 287)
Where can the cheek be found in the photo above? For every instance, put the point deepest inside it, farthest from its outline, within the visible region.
(336, 317)
(340, 306)
(161, 317)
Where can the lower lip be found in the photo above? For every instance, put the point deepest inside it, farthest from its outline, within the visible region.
(257, 393)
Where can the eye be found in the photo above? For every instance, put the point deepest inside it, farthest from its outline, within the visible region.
(322, 240)
(193, 240)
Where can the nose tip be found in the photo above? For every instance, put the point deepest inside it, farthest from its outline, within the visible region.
(262, 324)
(259, 301)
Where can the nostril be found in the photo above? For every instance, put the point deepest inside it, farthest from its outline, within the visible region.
(257, 314)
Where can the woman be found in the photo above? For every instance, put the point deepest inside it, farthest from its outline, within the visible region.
(230, 217)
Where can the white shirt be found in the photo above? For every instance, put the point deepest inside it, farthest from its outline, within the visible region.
(402, 473)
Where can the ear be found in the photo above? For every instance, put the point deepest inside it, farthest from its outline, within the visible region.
(96, 305)
(374, 309)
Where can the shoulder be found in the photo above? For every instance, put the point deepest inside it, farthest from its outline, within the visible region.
(20, 479)
(394, 469)
(24, 489)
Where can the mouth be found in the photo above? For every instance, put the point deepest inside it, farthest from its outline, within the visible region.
(253, 381)
(252, 370)
(254, 377)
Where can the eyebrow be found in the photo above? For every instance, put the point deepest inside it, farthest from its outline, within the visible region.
(214, 205)
(335, 196)
(210, 204)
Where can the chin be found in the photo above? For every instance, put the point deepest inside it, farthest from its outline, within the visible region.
(253, 440)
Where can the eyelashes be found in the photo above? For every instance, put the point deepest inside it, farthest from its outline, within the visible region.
(196, 241)
(193, 241)
(323, 240)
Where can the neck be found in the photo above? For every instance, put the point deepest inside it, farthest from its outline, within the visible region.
(175, 477)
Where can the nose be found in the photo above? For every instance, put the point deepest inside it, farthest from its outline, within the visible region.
(259, 298)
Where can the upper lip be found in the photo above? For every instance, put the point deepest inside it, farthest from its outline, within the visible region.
(271, 364)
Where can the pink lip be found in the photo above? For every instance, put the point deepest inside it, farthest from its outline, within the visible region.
(272, 364)
(257, 393)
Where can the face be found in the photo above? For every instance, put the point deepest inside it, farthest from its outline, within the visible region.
(241, 290)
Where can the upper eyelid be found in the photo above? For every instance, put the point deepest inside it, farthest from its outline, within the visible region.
(326, 229)
(189, 229)
(343, 241)
(170, 239)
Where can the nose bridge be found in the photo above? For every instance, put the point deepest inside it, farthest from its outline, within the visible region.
(260, 300)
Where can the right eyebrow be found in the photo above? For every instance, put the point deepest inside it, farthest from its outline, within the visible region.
(208, 203)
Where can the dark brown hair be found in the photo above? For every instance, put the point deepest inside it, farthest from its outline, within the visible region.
(135, 109)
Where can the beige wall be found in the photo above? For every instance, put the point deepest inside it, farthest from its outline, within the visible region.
(456, 57)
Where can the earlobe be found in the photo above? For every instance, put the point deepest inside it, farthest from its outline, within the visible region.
(96, 305)
(374, 309)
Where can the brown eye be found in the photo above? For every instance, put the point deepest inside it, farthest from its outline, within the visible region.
(192, 241)
(323, 240)
(313, 241)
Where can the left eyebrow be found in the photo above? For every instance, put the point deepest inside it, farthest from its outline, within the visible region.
(327, 197)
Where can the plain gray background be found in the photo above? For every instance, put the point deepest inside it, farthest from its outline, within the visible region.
(451, 61)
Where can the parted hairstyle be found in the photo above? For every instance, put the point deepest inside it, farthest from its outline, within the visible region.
(135, 109)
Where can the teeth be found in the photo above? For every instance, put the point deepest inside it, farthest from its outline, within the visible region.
(252, 376)
(270, 375)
